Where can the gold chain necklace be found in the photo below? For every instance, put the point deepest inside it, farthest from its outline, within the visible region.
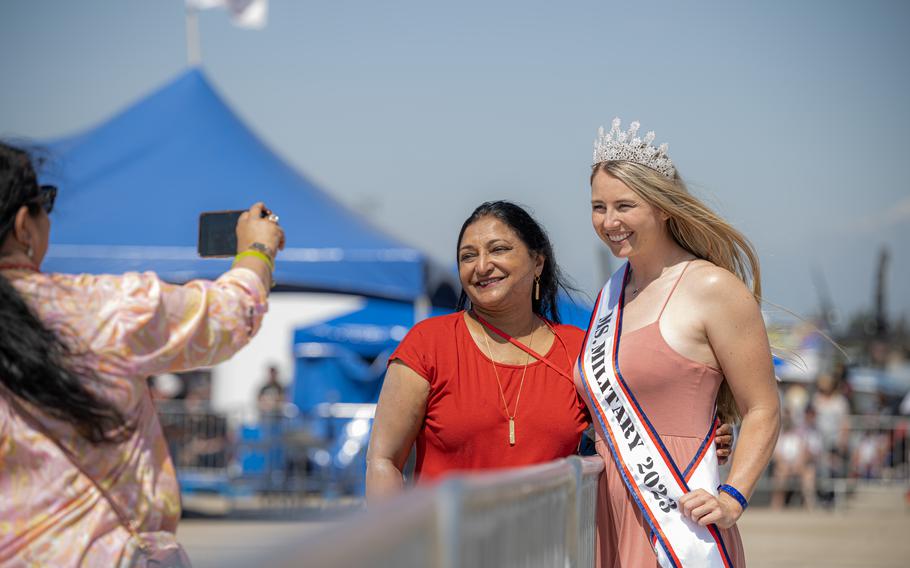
(502, 395)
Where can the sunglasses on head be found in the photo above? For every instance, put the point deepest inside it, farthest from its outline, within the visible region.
(47, 194)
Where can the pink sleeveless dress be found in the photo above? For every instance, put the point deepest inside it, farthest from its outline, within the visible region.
(678, 396)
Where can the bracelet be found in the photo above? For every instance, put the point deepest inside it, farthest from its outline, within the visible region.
(733, 492)
(257, 254)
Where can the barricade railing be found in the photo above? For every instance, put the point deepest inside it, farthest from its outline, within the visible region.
(516, 518)
(200, 441)
(870, 452)
(222, 453)
(588, 472)
(403, 533)
(536, 516)
(878, 449)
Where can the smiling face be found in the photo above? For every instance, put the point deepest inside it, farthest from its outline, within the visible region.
(622, 219)
(495, 266)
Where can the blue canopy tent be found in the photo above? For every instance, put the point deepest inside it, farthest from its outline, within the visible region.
(335, 358)
(133, 187)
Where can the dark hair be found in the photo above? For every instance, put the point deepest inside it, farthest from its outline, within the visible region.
(533, 235)
(35, 364)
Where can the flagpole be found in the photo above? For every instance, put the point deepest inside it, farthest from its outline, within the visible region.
(193, 47)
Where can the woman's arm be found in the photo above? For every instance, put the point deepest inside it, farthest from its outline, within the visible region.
(148, 326)
(736, 332)
(399, 416)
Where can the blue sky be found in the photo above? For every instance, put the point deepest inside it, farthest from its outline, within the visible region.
(790, 118)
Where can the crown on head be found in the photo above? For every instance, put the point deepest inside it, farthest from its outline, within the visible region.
(627, 146)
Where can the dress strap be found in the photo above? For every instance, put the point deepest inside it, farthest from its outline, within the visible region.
(670, 295)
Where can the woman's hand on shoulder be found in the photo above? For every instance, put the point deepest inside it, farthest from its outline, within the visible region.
(723, 441)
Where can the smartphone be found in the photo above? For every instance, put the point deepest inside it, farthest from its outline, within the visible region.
(218, 233)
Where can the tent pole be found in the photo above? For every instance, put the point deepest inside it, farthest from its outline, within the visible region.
(422, 308)
(193, 47)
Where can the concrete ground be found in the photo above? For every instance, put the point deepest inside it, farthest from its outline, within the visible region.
(858, 537)
(215, 543)
(824, 539)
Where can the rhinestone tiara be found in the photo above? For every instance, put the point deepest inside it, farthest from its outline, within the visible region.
(626, 146)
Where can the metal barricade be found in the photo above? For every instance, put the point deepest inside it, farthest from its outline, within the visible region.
(871, 455)
(199, 440)
(588, 472)
(879, 449)
(221, 454)
(511, 518)
(403, 533)
(536, 516)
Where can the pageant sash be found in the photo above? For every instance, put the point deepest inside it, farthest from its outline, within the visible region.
(653, 479)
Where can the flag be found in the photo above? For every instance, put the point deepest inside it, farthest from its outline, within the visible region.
(250, 14)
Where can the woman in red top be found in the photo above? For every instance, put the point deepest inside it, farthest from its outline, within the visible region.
(468, 397)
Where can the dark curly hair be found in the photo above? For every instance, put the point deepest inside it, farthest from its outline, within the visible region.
(533, 235)
(35, 364)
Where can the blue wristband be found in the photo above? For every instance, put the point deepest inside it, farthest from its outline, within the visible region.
(733, 492)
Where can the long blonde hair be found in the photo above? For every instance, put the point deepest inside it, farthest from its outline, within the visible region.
(699, 230)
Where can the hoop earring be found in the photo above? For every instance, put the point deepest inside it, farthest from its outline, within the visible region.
(537, 288)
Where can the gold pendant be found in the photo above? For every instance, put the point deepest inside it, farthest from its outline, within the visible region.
(511, 431)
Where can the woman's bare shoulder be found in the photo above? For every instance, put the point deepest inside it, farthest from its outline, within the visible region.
(709, 283)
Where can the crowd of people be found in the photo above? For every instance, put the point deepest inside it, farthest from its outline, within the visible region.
(828, 434)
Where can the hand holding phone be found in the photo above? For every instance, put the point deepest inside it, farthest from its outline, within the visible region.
(258, 229)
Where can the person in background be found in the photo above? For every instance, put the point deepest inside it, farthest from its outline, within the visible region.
(798, 450)
(272, 394)
(833, 422)
(86, 477)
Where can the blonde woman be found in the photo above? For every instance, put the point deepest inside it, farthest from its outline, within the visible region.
(676, 333)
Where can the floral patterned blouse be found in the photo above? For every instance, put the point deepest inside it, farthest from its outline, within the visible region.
(126, 328)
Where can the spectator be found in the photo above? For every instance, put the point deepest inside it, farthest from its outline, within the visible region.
(833, 423)
(272, 394)
(797, 451)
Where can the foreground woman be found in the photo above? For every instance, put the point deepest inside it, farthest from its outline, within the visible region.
(85, 475)
(676, 333)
